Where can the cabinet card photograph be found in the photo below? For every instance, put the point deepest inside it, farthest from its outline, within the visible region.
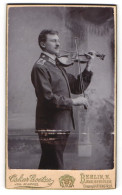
(60, 96)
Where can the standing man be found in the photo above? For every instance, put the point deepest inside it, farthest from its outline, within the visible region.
(53, 88)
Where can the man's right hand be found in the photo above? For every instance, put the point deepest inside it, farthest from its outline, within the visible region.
(80, 101)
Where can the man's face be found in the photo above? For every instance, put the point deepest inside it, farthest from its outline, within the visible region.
(52, 44)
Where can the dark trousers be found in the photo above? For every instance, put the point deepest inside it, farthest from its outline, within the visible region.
(52, 151)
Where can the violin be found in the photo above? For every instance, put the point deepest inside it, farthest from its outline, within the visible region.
(67, 60)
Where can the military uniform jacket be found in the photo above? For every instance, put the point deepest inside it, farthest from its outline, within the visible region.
(53, 88)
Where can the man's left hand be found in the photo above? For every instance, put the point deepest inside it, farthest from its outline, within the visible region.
(91, 55)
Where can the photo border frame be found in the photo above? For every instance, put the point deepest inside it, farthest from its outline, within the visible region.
(47, 179)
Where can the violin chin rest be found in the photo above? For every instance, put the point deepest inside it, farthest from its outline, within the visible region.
(65, 61)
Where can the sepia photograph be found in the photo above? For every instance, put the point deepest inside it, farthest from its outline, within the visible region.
(61, 96)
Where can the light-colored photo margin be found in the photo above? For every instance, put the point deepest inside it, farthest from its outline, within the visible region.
(51, 175)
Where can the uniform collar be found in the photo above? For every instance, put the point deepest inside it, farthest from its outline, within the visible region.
(49, 57)
(53, 57)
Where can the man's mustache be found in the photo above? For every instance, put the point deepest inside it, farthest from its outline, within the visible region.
(56, 47)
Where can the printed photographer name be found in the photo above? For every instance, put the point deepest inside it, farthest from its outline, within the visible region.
(30, 178)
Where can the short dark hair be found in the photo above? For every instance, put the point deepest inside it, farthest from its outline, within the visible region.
(43, 35)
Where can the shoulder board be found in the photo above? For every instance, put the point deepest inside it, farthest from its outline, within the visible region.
(41, 61)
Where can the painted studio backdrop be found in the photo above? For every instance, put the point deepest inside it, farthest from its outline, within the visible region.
(91, 145)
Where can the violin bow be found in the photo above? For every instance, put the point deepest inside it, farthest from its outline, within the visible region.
(80, 72)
